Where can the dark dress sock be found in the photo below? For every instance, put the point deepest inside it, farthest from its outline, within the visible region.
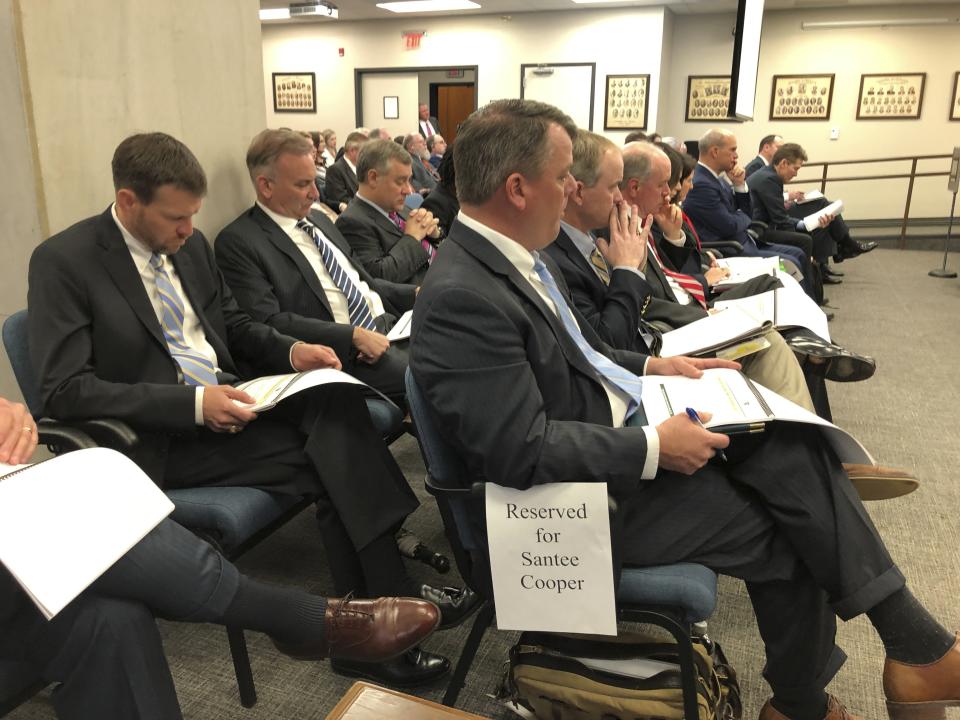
(284, 614)
(909, 633)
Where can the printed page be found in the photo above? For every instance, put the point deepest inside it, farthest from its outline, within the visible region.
(812, 221)
(65, 521)
(743, 268)
(271, 389)
(710, 333)
(401, 331)
(724, 393)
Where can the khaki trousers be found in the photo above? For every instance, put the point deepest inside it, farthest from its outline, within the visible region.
(776, 368)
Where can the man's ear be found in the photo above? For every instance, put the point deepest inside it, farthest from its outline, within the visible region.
(577, 194)
(127, 199)
(515, 188)
(263, 187)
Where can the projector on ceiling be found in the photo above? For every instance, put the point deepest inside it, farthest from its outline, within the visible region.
(319, 9)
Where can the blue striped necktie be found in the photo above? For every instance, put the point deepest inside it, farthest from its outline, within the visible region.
(360, 315)
(197, 369)
(617, 376)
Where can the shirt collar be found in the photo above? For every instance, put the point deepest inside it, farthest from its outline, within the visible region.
(709, 169)
(287, 224)
(140, 252)
(765, 161)
(519, 256)
(376, 207)
(584, 242)
(350, 164)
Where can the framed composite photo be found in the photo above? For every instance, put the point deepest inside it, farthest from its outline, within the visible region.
(295, 92)
(708, 97)
(625, 107)
(801, 97)
(955, 98)
(891, 96)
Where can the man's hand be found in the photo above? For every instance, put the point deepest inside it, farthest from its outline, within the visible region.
(18, 433)
(670, 220)
(795, 196)
(687, 366)
(221, 412)
(342, 206)
(737, 175)
(627, 246)
(715, 275)
(685, 447)
(421, 223)
(312, 357)
(826, 220)
(370, 345)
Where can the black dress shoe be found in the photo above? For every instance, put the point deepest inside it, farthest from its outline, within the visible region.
(830, 280)
(841, 365)
(415, 667)
(827, 270)
(456, 604)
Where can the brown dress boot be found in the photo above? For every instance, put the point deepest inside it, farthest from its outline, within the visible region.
(835, 711)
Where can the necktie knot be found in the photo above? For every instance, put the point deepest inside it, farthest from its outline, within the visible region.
(156, 261)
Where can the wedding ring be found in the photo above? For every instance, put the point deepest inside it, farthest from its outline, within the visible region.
(27, 428)
(234, 429)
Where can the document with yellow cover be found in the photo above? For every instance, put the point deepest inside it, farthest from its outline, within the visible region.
(65, 521)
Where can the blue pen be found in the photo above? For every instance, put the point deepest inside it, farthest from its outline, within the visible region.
(692, 414)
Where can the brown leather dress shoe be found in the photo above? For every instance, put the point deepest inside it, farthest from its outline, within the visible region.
(923, 692)
(368, 630)
(835, 711)
(878, 482)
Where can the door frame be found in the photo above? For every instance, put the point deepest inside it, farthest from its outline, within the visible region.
(358, 74)
(593, 79)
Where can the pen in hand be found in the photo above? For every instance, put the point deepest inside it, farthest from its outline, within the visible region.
(692, 414)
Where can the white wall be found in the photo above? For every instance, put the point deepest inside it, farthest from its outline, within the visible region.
(619, 41)
(702, 45)
(401, 85)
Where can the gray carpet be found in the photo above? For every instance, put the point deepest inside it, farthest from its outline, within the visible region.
(886, 307)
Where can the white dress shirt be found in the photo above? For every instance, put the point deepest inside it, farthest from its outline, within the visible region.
(193, 332)
(741, 188)
(524, 260)
(335, 297)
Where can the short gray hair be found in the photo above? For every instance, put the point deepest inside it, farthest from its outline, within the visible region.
(638, 161)
(502, 138)
(588, 151)
(268, 145)
(377, 154)
(714, 137)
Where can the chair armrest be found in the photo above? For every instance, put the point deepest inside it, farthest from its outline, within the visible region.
(110, 433)
(758, 226)
(64, 437)
(730, 246)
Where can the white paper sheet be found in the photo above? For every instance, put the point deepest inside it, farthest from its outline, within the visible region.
(401, 331)
(744, 268)
(271, 389)
(712, 332)
(813, 220)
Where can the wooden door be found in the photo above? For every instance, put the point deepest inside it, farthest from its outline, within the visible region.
(454, 104)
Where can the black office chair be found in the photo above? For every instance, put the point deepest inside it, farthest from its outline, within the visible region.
(232, 519)
(673, 597)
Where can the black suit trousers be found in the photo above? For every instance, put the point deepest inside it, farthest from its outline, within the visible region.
(782, 516)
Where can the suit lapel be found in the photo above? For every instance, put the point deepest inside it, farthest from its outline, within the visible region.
(378, 217)
(566, 244)
(485, 252)
(280, 240)
(119, 264)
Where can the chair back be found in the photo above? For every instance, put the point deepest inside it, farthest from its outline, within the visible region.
(17, 344)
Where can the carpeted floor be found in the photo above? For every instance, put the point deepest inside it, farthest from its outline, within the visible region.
(906, 415)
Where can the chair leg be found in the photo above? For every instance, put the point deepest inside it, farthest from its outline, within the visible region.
(241, 666)
(458, 679)
(688, 675)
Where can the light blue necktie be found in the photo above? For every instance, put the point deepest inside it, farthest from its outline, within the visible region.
(197, 369)
(360, 315)
(618, 376)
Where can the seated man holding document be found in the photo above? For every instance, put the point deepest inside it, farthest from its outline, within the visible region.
(129, 317)
(525, 391)
(290, 268)
(102, 647)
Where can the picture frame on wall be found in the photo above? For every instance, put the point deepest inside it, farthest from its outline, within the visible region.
(890, 96)
(391, 107)
(625, 103)
(955, 98)
(708, 97)
(801, 97)
(294, 92)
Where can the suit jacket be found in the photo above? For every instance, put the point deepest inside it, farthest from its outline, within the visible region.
(756, 164)
(664, 307)
(485, 347)
(422, 178)
(275, 284)
(766, 196)
(341, 184)
(98, 348)
(444, 206)
(612, 310)
(380, 246)
(718, 212)
(686, 259)
(433, 121)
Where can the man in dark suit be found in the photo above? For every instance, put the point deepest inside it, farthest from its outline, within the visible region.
(722, 212)
(342, 182)
(425, 177)
(494, 337)
(427, 125)
(388, 246)
(130, 318)
(298, 275)
(104, 650)
(769, 145)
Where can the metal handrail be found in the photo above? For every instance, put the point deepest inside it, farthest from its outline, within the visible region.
(912, 176)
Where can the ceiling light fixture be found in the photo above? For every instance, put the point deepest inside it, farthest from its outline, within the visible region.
(412, 6)
(899, 22)
(598, 2)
